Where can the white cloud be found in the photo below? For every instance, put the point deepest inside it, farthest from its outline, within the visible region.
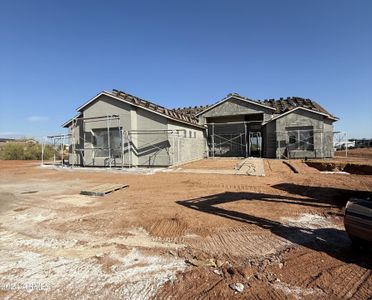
(37, 118)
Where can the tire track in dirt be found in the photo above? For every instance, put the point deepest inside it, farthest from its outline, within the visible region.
(300, 267)
(234, 187)
(333, 276)
(240, 242)
(347, 281)
(197, 284)
(364, 290)
(169, 228)
(266, 293)
(231, 187)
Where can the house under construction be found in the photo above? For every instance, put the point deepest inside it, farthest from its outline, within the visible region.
(116, 129)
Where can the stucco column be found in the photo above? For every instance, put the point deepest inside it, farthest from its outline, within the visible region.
(133, 136)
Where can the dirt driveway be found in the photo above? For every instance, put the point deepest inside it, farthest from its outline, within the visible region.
(178, 236)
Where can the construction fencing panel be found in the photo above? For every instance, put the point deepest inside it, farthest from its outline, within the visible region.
(112, 146)
(304, 143)
(227, 139)
(185, 149)
(164, 148)
(150, 148)
(227, 144)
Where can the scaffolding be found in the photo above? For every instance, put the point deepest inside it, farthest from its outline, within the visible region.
(79, 150)
(242, 143)
(304, 142)
(341, 141)
(58, 143)
(103, 141)
(155, 145)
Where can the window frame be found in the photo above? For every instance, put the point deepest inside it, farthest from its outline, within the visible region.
(300, 138)
(101, 148)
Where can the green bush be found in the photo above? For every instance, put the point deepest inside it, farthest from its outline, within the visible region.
(12, 151)
(49, 152)
(25, 151)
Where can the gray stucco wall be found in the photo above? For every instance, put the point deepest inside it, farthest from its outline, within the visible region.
(230, 138)
(77, 140)
(188, 145)
(104, 106)
(150, 143)
(322, 136)
(152, 149)
(235, 107)
(328, 138)
(274, 134)
(269, 140)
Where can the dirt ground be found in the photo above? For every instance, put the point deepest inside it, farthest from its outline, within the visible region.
(222, 164)
(363, 155)
(178, 235)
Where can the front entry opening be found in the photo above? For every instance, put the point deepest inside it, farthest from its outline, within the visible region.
(235, 136)
(255, 144)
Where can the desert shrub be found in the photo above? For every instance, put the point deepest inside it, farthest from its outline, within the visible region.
(12, 151)
(48, 152)
(24, 151)
(32, 152)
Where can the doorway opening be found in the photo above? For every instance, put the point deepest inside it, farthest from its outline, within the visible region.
(255, 144)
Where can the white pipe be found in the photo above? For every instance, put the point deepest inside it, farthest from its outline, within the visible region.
(42, 151)
(347, 142)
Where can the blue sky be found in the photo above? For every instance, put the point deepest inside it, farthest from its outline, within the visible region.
(55, 55)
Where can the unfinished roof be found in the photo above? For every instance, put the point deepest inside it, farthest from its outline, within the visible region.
(236, 96)
(189, 115)
(279, 106)
(283, 105)
(170, 113)
(191, 110)
(138, 102)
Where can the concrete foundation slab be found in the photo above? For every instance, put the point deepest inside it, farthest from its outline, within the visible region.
(252, 167)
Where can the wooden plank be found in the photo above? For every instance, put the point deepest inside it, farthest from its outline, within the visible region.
(103, 189)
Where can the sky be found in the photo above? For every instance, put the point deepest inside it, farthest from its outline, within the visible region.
(56, 55)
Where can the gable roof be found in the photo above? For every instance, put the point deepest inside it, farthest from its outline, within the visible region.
(279, 106)
(235, 96)
(67, 123)
(300, 108)
(189, 115)
(283, 105)
(144, 104)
